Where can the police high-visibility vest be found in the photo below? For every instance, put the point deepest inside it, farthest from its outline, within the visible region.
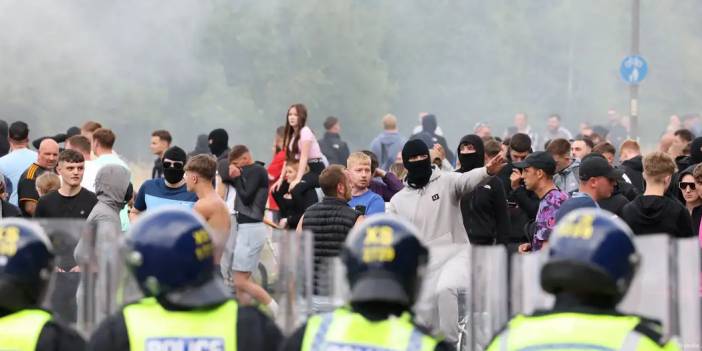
(152, 327)
(574, 331)
(345, 330)
(20, 331)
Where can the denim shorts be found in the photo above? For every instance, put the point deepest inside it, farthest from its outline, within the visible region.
(249, 243)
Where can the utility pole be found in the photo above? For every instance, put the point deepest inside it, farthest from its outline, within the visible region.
(634, 88)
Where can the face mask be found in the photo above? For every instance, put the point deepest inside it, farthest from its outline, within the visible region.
(173, 163)
(470, 161)
(218, 139)
(418, 173)
(172, 175)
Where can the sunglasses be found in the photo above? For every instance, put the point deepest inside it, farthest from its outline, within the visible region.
(173, 164)
(684, 185)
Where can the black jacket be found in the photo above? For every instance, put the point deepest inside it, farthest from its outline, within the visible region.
(254, 331)
(303, 196)
(696, 219)
(10, 210)
(330, 222)
(157, 170)
(334, 149)
(485, 214)
(650, 214)
(633, 168)
(614, 204)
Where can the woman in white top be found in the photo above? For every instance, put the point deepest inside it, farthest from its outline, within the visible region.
(301, 144)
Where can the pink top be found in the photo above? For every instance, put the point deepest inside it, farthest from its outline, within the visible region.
(307, 135)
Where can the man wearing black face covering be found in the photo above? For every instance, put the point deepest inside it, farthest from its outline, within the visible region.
(485, 209)
(169, 190)
(219, 146)
(431, 201)
(429, 136)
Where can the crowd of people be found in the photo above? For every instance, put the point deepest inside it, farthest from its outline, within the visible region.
(511, 190)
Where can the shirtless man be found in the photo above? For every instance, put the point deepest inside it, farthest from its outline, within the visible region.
(251, 184)
(199, 172)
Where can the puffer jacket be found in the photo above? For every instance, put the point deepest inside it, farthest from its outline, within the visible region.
(330, 222)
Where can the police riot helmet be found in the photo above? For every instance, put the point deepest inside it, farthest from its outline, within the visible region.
(26, 263)
(384, 261)
(171, 254)
(591, 252)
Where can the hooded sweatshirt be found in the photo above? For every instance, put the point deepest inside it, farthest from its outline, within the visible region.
(484, 210)
(386, 146)
(201, 146)
(111, 185)
(633, 170)
(649, 214)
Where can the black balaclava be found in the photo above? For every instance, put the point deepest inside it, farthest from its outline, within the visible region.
(429, 124)
(174, 174)
(696, 150)
(219, 141)
(472, 160)
(418, 172)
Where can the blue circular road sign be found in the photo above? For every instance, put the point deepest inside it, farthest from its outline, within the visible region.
(633, 69)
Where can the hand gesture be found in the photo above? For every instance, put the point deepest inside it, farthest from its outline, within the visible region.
(495, 165)
(234, 171)
(515, 178)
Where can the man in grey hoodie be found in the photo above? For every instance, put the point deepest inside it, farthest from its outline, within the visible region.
(111, 188)
(431, 200)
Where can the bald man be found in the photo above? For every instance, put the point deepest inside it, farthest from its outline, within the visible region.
(26, 189)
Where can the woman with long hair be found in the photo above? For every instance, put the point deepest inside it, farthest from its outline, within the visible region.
(690, 194)
(300, 144)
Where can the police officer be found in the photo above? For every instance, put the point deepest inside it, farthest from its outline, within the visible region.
(592, 260)
(26, 263)
(384, 261)
(170, 252)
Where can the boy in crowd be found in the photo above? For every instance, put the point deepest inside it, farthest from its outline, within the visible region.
(362, 199)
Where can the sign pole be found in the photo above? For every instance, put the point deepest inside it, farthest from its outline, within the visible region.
(634, 88)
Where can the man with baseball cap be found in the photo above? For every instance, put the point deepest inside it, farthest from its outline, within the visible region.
(537, 171)
(597, 179)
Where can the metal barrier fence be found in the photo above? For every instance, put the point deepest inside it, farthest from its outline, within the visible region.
(469, 292)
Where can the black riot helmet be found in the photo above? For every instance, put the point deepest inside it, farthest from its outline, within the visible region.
(384, 261)
(26, 263)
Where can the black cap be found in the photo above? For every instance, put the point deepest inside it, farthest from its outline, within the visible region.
(595, 165)
(539, 160)
(18, 131)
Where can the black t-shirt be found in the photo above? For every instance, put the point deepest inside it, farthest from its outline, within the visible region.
(55, 205)
(27, 186)
(254, 331)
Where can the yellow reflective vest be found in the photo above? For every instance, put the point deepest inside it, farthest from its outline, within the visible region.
(20, 331)
(349, 331)
(575, 331)
(152, 327)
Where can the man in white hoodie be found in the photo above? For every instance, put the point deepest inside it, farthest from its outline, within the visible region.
(431, 201)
